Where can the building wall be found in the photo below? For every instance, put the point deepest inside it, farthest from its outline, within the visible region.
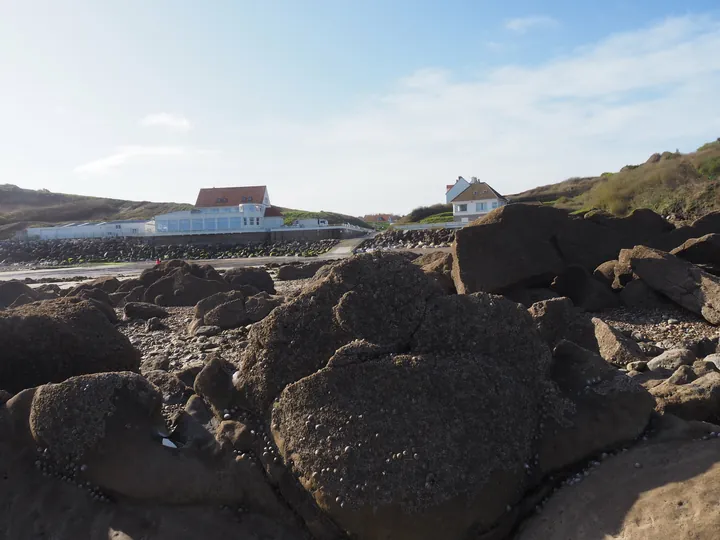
(245, 217)
(457, 189)
(92, 230)
(260, 237)
(474, 209)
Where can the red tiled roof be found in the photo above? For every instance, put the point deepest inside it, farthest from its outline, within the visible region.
(230, 196)
(273, 211)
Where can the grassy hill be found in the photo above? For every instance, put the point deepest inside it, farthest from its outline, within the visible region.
(671, 182)
(333, 218)
(21, 208)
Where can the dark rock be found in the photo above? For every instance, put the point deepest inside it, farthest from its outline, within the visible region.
(290, 272)
(683, 375)
(258, 307)
(438, 265)
(174, 391)
(682, 282)
(608, 408)
(128, 285)
(189, 372)
(108, 284)
(585, 291)
(154, 324)
(57, 339)
(10, 291)
(558, 319)
(605, 273)
(144, 311)
(637, 294)
(703, 250)
(207, 331)
(257, 277)
(181, 287)
(528, 297)
(21, 300)
(214, 383)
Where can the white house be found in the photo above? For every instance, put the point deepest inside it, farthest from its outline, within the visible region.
(456, 189)
(475, 201)
(105, 229)
(233, 209)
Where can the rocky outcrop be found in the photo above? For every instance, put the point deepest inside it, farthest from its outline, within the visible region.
(232, 310)
(56, 339)
(290, 272)
(182, 287)
(704, 250)
(438, 265)
(698, 399)
(586, 292)
(637, 294)
(680, 281)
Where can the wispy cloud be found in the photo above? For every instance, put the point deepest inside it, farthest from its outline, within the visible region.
(597, 108)
(522, 24)
(171, 121)
(127, 154)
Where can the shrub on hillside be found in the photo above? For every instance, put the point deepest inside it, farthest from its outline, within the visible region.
(422, 212)
(710, 167)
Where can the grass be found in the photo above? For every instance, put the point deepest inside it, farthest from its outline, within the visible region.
(333, 218)
(672, 182)
(443, 217)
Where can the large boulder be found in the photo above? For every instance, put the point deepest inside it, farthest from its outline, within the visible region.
(637, 294)
(56, 339)
(108, 284)
(144, 311)
(558, 319)
(681, 281)
(10, 291)
(703, 250)
(438, 265)
(257, 277)
(662, 491)
(181, 287)
(671, 360)
(607, 408)
(697, 400)
(527, 246)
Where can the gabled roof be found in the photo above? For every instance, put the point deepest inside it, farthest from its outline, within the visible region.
(273, 211)
(230, 196)
(478, 191)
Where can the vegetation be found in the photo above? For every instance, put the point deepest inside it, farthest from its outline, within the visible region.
(669, 182)
(443, 217)
(423, 212)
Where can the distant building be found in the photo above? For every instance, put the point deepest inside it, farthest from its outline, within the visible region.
(476, 200)
(380, 218)
(232, 209)
(105, 229)
(453, 190)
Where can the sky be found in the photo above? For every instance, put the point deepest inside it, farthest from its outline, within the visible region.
(347, 106)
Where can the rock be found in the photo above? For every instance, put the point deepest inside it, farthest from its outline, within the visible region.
(174, 391)
(682, 282)
(521, 256)
(528, 297)
(702, 367)
(21, 300)
(144, 311)
(56, 339)
(438, 265)
(703, 250)
(154, 324)
(683, 375)
(290, 272)
(47, 291)
(108, 284)
(341, 307)
(258, 307)
(237, 435)
(697, 400)
(608, 408)
(10, 291)
(614, 347)
(669, 497)
(230, 314)
(714, 358)
(257, 277)
(672, 359)
(181, 287)
(637, 294)
(586, 292)
(650, 350)
(107, 309)
(637, 366)
(135, 295)
(623, 271)
(128, 285)
(605, 273)
(214, 383)
(207, 331)
(155, 361)
(558, 319)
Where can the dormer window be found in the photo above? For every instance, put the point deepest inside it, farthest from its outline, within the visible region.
(221, 200)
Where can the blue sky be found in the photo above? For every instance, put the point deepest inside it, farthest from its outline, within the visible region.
(355, 107)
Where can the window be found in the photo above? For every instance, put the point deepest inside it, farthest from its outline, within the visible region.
(210, 224)
(461, 208)
(222, 224)
(235, 223)
(495, 204)
(480, 207)
(245, 221)
(184, 224)
(118, 226)
(197, 225)
(172, 225)
(161, 226)
(221, 200)
(258, 222)
(215, 210)
(252, 221)
(134, 231)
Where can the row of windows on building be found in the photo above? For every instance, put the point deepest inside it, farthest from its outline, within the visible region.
(229, 209)
(479, 207)
(207, 224)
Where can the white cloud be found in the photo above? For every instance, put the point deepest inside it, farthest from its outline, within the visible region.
(598, 108)
(171, 121)
(127, 154)
(523, 24)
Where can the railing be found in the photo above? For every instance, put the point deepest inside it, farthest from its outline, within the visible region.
(426, 226)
